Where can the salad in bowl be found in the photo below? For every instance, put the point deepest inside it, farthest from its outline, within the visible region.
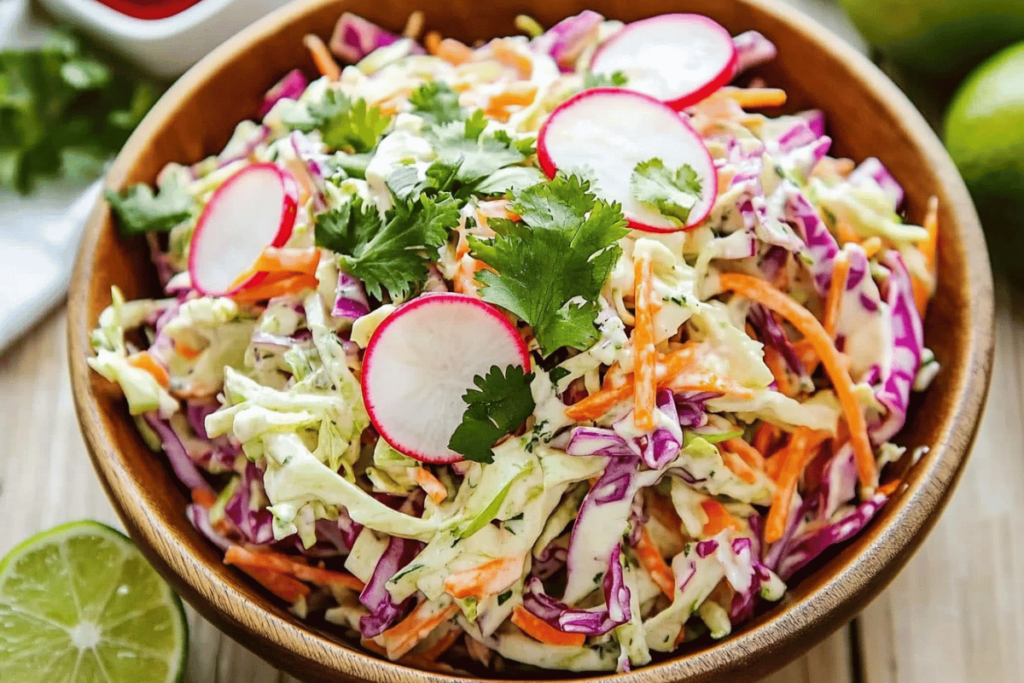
(551, 351)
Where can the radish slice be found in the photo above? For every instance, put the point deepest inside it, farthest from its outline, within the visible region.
(420, 362)
(679, 59)
(602, 134)
(253, 209)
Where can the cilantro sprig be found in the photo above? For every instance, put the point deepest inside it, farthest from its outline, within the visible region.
(499, 405)
(346, 125)
(673, 192)
(552, 265)
(389, 253)
(139, 210)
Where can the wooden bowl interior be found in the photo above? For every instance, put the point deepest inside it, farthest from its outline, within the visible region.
(866, 117)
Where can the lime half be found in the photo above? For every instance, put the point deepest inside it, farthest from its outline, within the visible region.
(79, 604)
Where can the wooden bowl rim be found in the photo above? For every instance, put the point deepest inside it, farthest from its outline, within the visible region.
(792, 628)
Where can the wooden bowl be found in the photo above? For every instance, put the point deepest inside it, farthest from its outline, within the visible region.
(867, 115)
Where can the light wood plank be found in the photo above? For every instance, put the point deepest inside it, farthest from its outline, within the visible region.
(956, 613)
(830, 662)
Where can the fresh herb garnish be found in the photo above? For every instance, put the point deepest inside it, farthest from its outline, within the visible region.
(391, 253)
(346, 125)
(436, 103)
(672, 192)
(139, 210)
(63, 112)
(500, 405)
(615, 80)
(552, 265)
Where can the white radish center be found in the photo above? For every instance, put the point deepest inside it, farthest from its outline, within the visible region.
(604, 136)
(667, 58)
(422, 364)
(239, 223)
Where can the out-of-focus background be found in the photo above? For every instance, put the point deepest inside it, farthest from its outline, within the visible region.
(67, 103)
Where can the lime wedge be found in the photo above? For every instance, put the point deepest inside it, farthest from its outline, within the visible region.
(80, 604)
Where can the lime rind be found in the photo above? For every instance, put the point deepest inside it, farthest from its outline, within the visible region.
(80, 603)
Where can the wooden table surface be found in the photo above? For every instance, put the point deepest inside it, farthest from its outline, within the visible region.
(955, 614)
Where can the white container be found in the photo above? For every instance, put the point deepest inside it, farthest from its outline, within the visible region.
(166, 47)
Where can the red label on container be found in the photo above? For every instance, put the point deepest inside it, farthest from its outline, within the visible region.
(149, 9)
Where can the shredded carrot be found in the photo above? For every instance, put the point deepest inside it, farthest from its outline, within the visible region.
(441, 646)
(835, 366)
(322, 57)
(281, 585)
(186, 351)
(650, 557)
(599, 403)
(718, 518)
(773, 359)
(288, 260)
(144, 360)
(765, 437)
(846, 231)
(432, 42)
(800, 452)
(750, 454)
(411, 660)
(804, 350)
(431, 484)
(736, 465)
(517, 94)
(203, 498)
(664, 513)
(490, 578)
(872, 246)
(644, 351)
(753, 98)
(284, 564)
(539, 629)
(272, 287)
(409, 632)
(725, 176)
(453, 51)
(506, 53)
(889, 487)
(464, 280)
(929, 249)
(836, 288)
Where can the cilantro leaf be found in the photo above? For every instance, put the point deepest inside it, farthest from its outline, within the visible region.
(673, 193)
(463, 146)
(436, 103)
(63, 110)
(349, 126)
(391, 253)
(139, 210)
(499, 406)
(552, 265)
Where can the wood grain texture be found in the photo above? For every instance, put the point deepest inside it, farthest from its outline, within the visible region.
(867, 116)
(46, 478)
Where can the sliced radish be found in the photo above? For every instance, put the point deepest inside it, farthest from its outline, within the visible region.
(602, 134)
(253, 209)
(420, 362)
(677, 58)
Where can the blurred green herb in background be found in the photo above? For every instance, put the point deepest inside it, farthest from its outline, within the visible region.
(64, 111)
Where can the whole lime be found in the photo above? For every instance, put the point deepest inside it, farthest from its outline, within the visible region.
(984, 133)
(938, 37)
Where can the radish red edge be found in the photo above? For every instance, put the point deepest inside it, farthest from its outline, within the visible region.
(289, 211)
(723, 78)
(396, 315)
(547, 164)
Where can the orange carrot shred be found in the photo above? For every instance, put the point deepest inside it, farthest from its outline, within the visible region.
(203, 498)
(453, 51)
(750, 454)
(753, 98)
(186, 351)
(835, 366)
(144, 360)
(773, 359)
(872, 246)
(431, 484)
(276, 286)
(650, 557)
(539, 629)
(490, 578)
(801, 451)
(284, 260)
(281, 585)
(506, 53)
(432, 42)
(284, 564)
(322, 57)
(736, 465)
(765, 437)
(719, 518)
(409, 632)
(889, 487)
(834, 299)
(929, 249)
(645, 375)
